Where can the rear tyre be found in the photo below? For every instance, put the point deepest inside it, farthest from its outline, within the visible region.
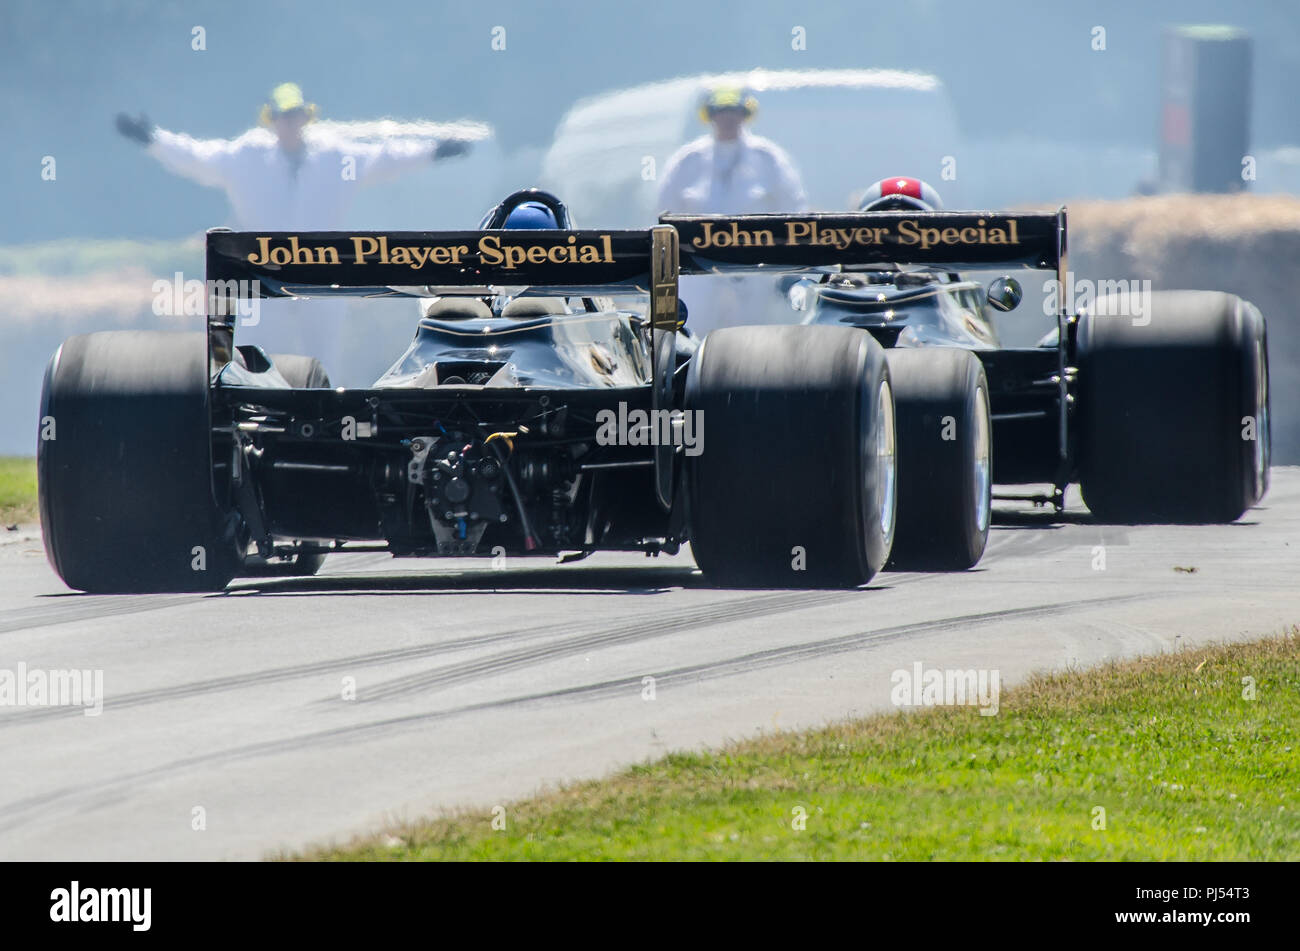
(795, 486)
(1174, 414)
(301, 372)
(124, 466)
(945, 458)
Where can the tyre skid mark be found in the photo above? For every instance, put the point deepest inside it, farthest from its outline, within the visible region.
(624, 628)
(90, 607)
(20, 812)
(607, 636)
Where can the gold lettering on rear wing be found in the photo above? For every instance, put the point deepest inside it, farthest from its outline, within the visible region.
(491, 250)
(906, 232)
(959, 239)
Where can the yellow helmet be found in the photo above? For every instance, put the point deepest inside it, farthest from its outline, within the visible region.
(728, 97)
(286, 97)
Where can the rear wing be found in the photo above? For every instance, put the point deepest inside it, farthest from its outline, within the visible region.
(430, 263)
(712, 244)
(250, 264)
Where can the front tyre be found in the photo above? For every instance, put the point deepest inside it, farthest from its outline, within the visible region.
(945, 460)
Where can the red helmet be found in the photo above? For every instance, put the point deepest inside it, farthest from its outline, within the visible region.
(900, 194)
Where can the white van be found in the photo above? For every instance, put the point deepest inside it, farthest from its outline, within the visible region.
(844, 129)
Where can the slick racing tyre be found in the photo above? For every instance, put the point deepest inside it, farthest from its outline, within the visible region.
(124, 466)
(301, 373)
(1174, 408)
(945, 459)
(795, 484)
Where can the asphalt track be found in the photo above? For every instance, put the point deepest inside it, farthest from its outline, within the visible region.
(475, 686)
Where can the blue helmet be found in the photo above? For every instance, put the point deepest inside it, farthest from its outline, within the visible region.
(530, 216)
(529, 209)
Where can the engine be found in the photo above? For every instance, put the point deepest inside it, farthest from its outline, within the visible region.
(464, 487)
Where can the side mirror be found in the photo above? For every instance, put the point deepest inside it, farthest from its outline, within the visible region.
(1005, 294)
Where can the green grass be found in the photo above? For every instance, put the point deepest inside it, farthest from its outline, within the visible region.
(1184, 766)
(17, 490)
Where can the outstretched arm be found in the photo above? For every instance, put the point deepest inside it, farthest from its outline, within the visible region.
(389, 159)
(203, 160)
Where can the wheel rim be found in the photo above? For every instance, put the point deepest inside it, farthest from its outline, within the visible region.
(885, 459)
(983, 469)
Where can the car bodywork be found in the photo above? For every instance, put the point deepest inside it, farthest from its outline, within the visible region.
(484, 437)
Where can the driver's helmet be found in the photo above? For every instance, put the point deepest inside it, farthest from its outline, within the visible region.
(530, 209)
(900, 194)
(531, 215)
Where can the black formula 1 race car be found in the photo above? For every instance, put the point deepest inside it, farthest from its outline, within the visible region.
(1155, 404)
(531, 416)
